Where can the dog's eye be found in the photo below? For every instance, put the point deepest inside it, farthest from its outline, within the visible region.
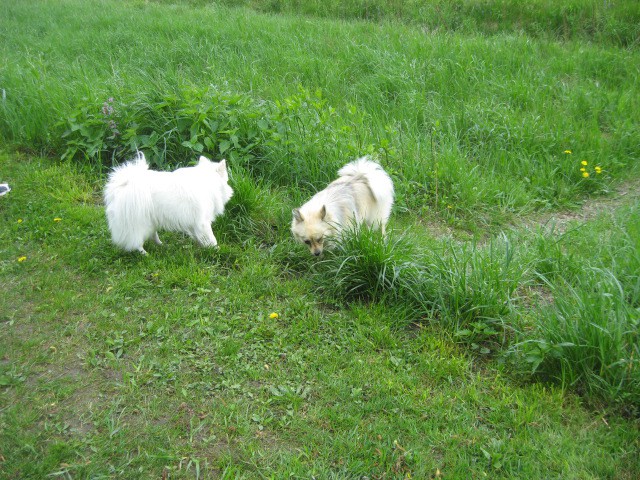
(319, 240)
(308, 242)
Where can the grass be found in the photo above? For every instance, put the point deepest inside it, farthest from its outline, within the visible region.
(451, 114)
(583, 19)
(129, 366)
(588, 336)
(462, 345)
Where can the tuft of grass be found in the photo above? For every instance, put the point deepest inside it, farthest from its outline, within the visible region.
(255, 212)
(473, 291)
(468, 291)
(588, 340)
(365, 266)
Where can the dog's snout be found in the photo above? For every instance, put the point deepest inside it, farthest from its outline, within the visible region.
(317, 253)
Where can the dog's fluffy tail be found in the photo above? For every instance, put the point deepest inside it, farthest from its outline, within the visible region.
(128, 203)
(378, 180)
(123, 174)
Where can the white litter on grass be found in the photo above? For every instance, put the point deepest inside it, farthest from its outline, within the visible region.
(4, 189)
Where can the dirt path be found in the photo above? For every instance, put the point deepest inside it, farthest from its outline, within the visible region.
(556, 221)
(625, 194)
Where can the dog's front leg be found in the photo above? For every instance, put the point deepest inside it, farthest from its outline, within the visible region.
(205, 236)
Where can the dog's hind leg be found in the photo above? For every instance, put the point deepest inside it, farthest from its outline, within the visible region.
(156, 238)
(135, 243)
(140, 245)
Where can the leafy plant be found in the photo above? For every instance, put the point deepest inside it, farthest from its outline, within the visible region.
(172, 128)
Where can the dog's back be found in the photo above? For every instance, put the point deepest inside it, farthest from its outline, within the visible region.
(377, 179)
(372, 191)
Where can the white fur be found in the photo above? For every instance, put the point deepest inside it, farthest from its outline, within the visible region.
(362, 193)
(139, 201)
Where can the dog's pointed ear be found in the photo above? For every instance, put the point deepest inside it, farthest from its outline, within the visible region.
(222, 169)
(297, 215)
(202, 160)
(323, 212)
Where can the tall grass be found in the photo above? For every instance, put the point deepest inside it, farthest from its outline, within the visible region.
(364, 266)
(466, 290)
(587, 338)
(583, 334)
(473, 128)
(595, 20)
(475, 291)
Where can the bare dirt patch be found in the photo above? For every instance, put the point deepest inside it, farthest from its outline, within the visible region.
(559, 222)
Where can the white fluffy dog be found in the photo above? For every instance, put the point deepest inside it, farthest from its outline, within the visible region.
(139, 201)
(363, 192)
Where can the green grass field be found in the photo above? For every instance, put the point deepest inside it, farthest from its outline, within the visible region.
(494, 333)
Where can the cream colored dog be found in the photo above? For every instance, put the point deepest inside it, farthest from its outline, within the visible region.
(363, 192)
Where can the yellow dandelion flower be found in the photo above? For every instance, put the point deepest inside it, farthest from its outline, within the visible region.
(19, 220)
(22, 259)
(585, 174)
(568, 152)
(57, 219)
(583, 169)
(598, 170)
(274, 315)
(584, 162)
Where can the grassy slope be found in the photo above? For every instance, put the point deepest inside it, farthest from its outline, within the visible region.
(124, 366)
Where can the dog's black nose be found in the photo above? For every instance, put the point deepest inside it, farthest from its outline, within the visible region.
(317, 254)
